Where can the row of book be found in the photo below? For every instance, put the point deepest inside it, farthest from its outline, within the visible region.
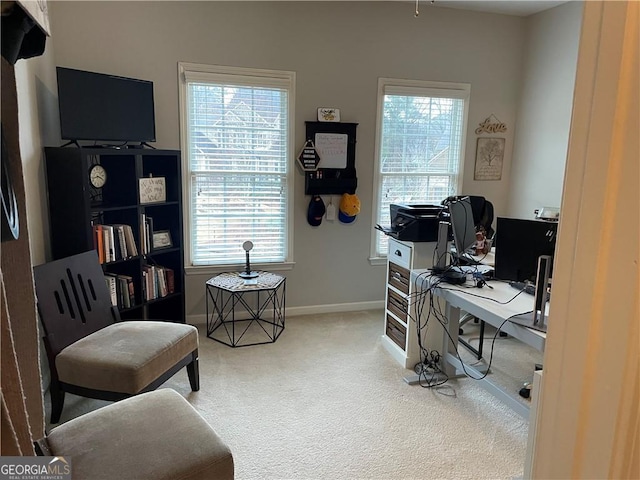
(122, 290)
(117, 242)
(114, 242)
(157, 281)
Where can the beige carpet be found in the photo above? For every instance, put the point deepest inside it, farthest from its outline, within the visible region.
(326, 401)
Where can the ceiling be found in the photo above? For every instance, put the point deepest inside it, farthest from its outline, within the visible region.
(520, 8)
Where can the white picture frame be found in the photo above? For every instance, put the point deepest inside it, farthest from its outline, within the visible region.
(327, 114)
(152, 190)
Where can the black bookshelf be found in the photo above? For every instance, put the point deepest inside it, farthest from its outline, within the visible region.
(76, 208)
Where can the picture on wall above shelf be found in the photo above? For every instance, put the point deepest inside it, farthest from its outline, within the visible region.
(328, 114)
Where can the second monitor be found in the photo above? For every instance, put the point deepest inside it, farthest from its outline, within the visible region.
(519, 243)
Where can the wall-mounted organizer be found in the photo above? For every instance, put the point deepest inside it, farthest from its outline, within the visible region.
(335, 142)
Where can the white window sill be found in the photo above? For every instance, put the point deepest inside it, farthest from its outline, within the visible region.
(377, 260)
(216, 269)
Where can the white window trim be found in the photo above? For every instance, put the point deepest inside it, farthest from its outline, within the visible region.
(394, 86)
(241, 75)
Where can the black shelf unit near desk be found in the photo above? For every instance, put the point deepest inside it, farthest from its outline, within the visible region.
(75, 207)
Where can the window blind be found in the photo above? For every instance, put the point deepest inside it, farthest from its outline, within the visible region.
(238, 151)
(420, 149)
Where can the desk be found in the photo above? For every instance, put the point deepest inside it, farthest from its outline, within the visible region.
(225, 324)
(488, 259)
(460, 298)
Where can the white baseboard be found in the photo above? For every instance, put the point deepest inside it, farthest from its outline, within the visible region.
(201, 319)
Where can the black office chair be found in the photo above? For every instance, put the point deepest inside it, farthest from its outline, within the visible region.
(482, 210)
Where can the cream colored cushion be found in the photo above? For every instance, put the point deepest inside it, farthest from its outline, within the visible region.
(126, 356)
(156, 435)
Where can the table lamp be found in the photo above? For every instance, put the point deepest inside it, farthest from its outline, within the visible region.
(248, 245)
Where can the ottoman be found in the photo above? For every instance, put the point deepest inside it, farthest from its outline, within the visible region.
(156, 435)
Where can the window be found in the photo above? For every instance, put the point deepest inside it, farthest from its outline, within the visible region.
(419, 146)
(236, 138)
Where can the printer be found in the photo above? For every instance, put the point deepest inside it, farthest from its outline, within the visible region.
(414, 223)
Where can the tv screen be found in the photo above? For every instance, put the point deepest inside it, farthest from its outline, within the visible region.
(96, 106)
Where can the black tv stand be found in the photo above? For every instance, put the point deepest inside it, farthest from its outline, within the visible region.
(142, 145)
(115, 147)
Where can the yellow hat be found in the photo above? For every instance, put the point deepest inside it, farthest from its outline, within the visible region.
(349, 208)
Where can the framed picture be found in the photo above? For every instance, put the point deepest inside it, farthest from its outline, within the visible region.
(152, 190)
(162, 239)
(328, 114)
(489, 159)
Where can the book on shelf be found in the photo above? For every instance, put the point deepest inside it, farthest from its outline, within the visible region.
(150, 282)
(146, 233)
(162, 281)
(99, 242)
(122, 244)
(170, 280)
(149, 233)
(111, 282)
(109, 255)
(130, 241)
(127, 291)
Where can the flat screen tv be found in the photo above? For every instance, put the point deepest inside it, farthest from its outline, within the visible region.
(101, 107)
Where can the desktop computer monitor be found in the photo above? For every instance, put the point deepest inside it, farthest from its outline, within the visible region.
(464, 230)
(519, 243)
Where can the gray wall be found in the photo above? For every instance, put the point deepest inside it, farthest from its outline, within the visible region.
(544, 111)
(338, 49)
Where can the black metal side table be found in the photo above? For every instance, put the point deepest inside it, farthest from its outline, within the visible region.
(265, 296)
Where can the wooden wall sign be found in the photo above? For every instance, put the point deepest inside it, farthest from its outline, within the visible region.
(491, 125)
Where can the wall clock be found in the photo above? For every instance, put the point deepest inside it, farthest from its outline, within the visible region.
(97, 176)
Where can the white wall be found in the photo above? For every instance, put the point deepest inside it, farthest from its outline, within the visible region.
(544, 110)
(589, 418)
(39, 126)
(338, 49)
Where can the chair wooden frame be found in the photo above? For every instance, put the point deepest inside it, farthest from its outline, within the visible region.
(73, 302)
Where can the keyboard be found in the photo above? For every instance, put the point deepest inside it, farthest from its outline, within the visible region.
(529, 288)
(526, 287)
(467, 260)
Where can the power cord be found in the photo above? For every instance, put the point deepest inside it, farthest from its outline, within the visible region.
(428, 369)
